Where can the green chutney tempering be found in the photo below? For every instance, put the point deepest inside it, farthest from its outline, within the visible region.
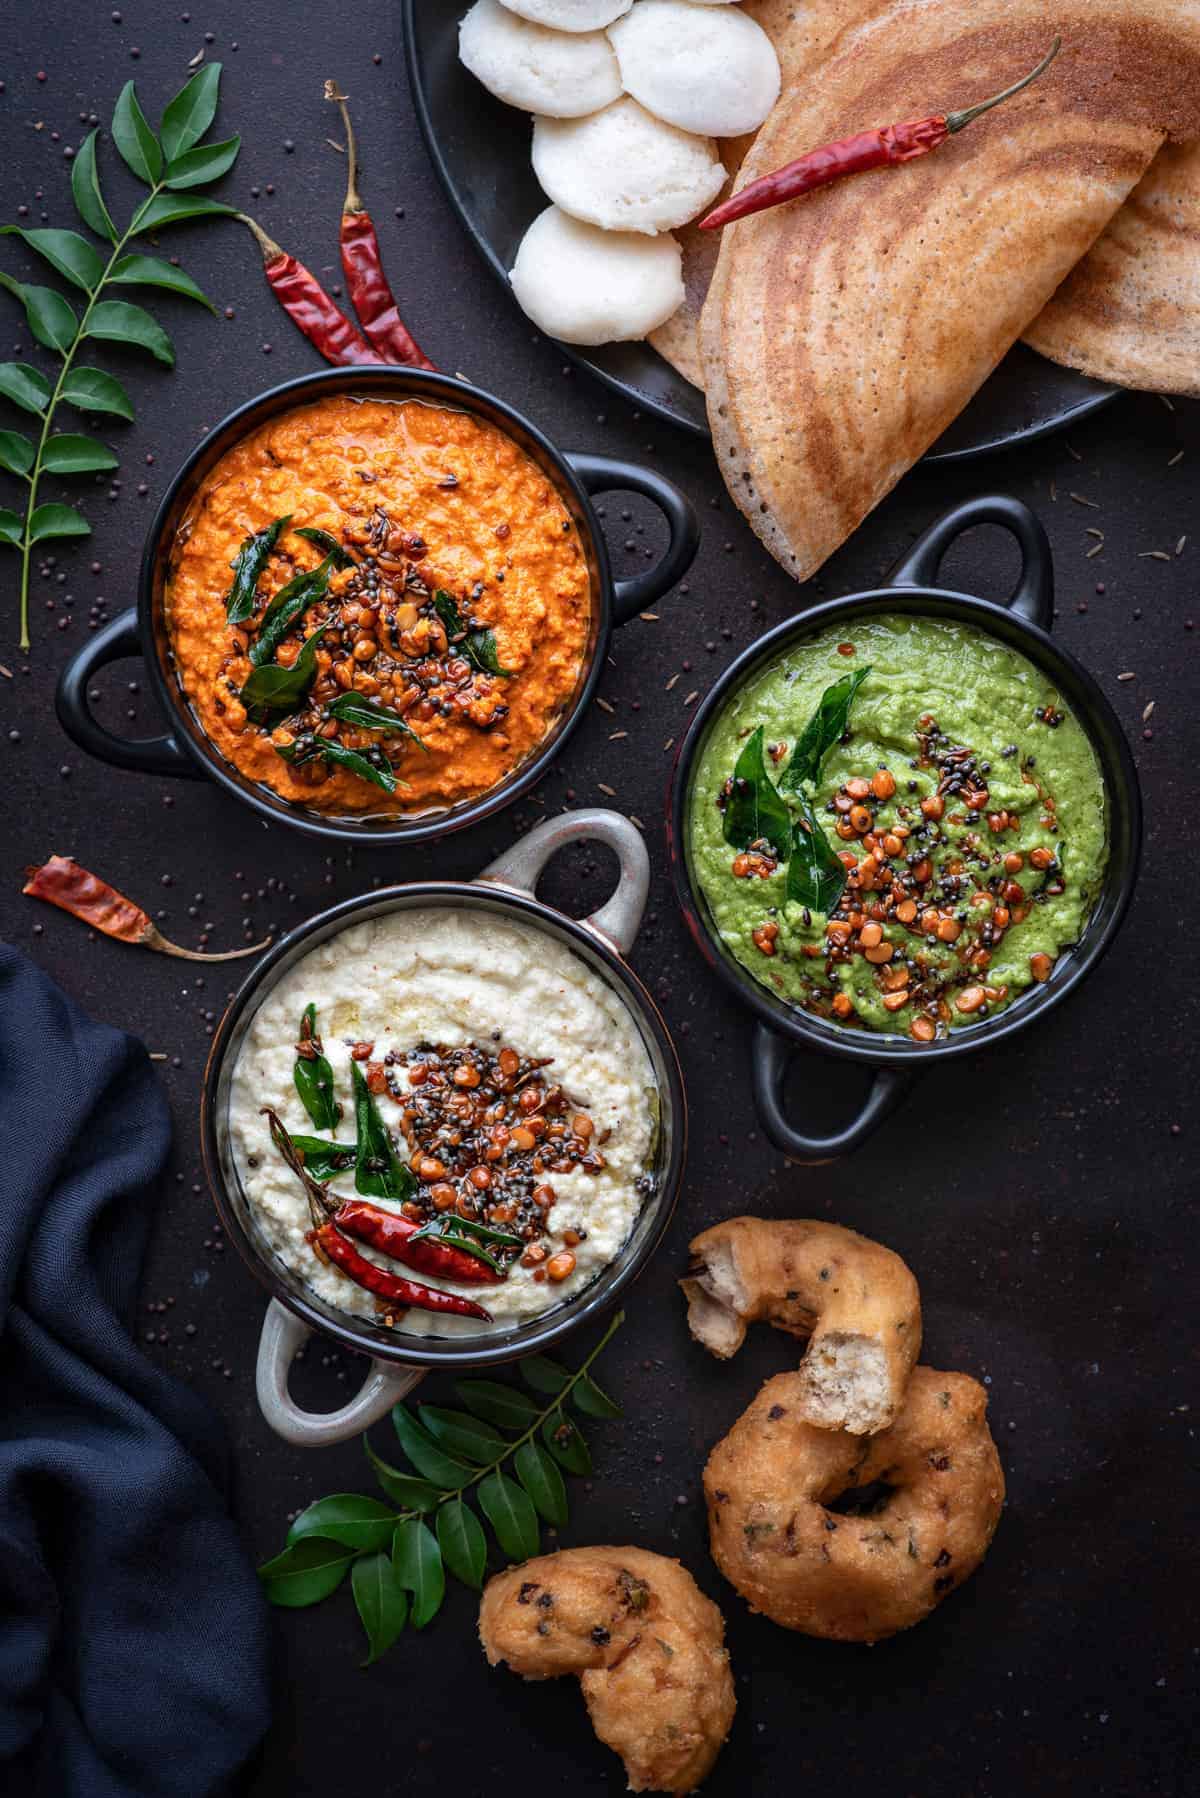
(965, 800)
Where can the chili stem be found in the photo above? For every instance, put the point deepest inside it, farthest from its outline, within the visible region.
(956, 120)
(353, 201)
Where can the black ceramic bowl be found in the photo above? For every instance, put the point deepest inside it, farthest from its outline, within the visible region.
(1024, 623)
(186, 750)
(601, 941)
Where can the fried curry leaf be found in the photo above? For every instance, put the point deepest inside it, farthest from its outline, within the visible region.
(273, 688)
(815, 874)
(367, 714)
(248, 566)
(825, 727)
(314, 1079)
(368, 764)
(754, 811)
(328, 545)
(479, 647)
(379, 1172)
(324, 1160)
(289, 604)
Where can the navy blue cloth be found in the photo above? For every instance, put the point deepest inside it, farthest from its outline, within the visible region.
(133, 1636)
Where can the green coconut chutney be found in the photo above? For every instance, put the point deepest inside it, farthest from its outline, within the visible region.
(952, 908)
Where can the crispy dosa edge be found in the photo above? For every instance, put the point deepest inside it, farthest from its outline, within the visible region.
(804, 292)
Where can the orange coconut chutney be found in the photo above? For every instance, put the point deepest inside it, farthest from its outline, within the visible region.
(456, 604)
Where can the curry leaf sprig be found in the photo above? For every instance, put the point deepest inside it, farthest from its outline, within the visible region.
(397, 1563)
(173, 165)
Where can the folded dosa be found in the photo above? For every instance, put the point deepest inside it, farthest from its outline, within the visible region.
(844, 331)
(1128, 313)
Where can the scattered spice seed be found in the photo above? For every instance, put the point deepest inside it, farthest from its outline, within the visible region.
(634, 819)
(605, 705)
(1129, 675)
(669, 744)
(1072, 452)
(652, 617)
(1166, 402)
(197, 59)
(1179, 546)
(611, 791)
(691, 699)
(157, 1055)
(1147, 712)
(670, 683)
(1153, 555)
(1094, 551)
(616, 735)
(6, 672)
(1081, 499)
(1093, 530)
(1177, 457)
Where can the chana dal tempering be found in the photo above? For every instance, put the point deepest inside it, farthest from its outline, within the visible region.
(378, 607)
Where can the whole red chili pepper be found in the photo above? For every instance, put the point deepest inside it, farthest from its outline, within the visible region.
(309, 306)
(392, 1235)
(62, 882)
(408, 1293)
(362, 261)
(852, 155)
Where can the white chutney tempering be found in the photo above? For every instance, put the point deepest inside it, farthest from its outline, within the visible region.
(453, 977)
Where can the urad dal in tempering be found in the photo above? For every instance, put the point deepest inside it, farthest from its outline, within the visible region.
(378, 608)
(515, 1098)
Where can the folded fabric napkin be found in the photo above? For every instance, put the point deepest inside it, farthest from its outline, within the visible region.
(133, 1637)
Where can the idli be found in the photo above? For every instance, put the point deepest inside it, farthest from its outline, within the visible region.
(585, 285)
(558, 73)
(625, 170)
(570, 15)
(706, 70)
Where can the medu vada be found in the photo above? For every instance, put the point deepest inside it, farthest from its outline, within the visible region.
(856, 1302)
(776, 1490)
(647, 1646)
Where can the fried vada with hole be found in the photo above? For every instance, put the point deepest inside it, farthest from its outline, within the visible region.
(646, 1645)
(855, 1301)
(930, 1490)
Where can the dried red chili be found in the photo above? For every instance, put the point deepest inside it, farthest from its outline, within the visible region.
(62, 882)
(397, 1291)
(853, 155)
(309, 307)
(392, 1235)
(362, 261)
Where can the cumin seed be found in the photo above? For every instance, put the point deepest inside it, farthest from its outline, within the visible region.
(1147, 711)
(604, 705)
(1177, 457)
(611, 791)
(1153, 555)
(669, 744)
(670, 683)
(1081, 499)
(1179, 546)
(1129, 675)
(691, 699)
(616, 735)
(1072, 452)
(652, 617)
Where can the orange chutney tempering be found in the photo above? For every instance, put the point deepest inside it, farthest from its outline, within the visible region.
(425, 498)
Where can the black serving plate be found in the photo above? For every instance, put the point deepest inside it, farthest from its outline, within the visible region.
(480, 149)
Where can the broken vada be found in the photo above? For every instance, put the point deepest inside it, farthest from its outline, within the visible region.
(855, 1301)
(646, 1645)
(784, 1527)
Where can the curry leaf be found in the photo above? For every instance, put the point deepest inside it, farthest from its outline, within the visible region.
(510, 1512)
(16, 452)
(25, 386)
(754, 812)
(134, 138)
(274, 688)
(290, 603)
(539, 1475)
(51, 320)
(826, 726)
(592, 1400)
(425, 1455)
(68, 254)
(207, 162)
(816, 874)
(463, 1436)
(85, 190)
(328, 544)
(306, 1572)
(543, 1374)
(67, 454)
(478, 646)
(379, 1172)
(566, 1443)
(188, 116)
(367, 714)
(502, 1405)
(173, 209)
(323, 1160)
(367, 764)
(118, 322)
(348, 1518)
(94, 391)
(12, 528)
(313, 1078)
(462, 1542)
(57, 521)
(417, 1560)
(403, 1488)
(381, 1602)
(152, 271)
(248, 566)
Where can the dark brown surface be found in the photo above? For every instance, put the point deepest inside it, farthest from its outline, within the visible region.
(1039, 1193)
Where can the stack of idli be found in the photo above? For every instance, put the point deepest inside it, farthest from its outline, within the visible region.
(628, 98)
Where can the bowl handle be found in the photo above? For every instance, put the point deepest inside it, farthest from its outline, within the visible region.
(619, 917)
(283, 1336)
(1033, 596)
(602, 474)
(768, 1065)
(149, 755)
